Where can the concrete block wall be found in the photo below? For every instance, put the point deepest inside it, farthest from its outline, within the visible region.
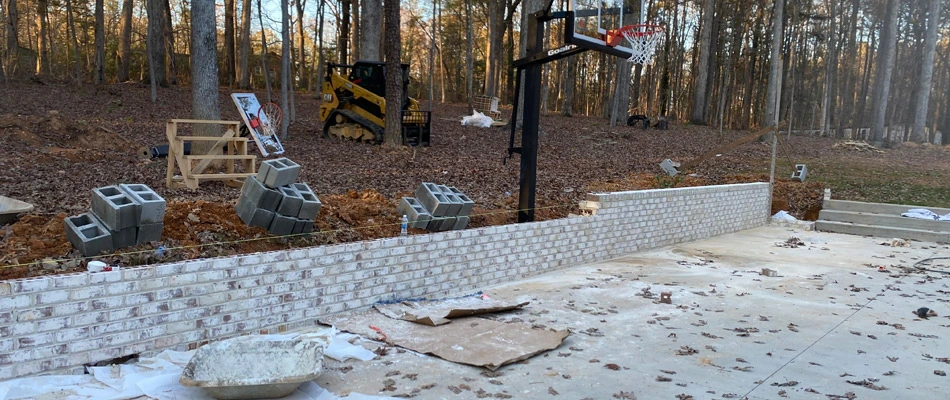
(55, 324)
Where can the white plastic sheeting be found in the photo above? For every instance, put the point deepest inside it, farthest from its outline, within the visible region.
(157, 378)
(477, 119)
(923, 213)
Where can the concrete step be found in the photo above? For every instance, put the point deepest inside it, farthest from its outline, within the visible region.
(875, 208)
(888, 220)
(882, 231)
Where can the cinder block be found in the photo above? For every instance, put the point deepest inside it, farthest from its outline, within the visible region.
(302, 226)
(455, 204)
(282, 225)
(252, 215)
(467, 203)
(123, 237)
(88, 235)
(441, 224)
(259, 195)
(310, 205)
(151, 205)
(114, 208)
(278, 172)
(413, 209)
(149, 233)
(460, 222)
(290, 201)
(433, 199)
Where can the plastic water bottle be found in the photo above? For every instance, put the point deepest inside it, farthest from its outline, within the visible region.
(404, 229)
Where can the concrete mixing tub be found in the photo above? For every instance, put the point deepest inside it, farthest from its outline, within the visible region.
(254, 367)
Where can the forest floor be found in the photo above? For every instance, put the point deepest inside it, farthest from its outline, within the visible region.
(59, 142)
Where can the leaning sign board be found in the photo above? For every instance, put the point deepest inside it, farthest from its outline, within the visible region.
(262, 124)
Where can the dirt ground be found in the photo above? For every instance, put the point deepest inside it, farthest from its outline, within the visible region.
(59, 142)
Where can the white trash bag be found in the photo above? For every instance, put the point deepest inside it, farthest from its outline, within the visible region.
(783, 216)
(477, 119)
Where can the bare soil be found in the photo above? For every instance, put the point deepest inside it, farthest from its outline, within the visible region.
(59, 142)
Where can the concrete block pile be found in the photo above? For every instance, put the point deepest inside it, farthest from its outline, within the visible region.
(273, 200)
(121, 216)
(437, 208)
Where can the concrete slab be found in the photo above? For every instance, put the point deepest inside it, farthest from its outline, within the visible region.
(254, 367)
(829, 316)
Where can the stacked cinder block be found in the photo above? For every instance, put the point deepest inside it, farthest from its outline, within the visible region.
(274, 201)
(121, 216)
(437, 208)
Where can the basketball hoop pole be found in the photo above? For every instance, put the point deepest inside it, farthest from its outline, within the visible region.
(529, 129)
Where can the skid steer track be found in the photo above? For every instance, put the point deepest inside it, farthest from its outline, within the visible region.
(344, 132)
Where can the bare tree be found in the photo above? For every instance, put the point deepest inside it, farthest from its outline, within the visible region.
(922, 102)
(205, 101)
(885, 69)
(156, 41)
(285, 76)
(125, 43)
(495, 47)
(705, 48)
(775, 73)
(370, 24)
(168, 34)
(393, 135)
(264, 52)
(42, 25)
(229, 40)
(243, 68)
(301, 54)
(99, 73)
(13, 44)
(469, 57)
(72, 27)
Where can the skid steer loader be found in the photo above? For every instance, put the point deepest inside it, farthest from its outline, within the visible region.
(354, 105)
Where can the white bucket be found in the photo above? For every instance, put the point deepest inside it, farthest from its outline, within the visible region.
(96, 266)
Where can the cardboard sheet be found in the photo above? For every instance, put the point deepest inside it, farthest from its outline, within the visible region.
(468, 340)
(440, 312)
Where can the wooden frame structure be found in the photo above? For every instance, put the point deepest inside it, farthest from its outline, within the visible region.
(192, 167)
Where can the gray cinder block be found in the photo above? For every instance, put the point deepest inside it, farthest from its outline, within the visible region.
(455, 204)
(123, 237)
(88, 235)
(441, 224)
(149, 233)
(433, 199)
(278, 172)
(252, 215)
(467, 203)
(114, 208)
(413, 209)
(310, 204)
(259, 195)
(302, 226)
(151, 205)
(282, 225)
(460, 223)
(290, 201)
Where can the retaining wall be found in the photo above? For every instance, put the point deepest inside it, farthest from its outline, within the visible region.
(57, 324)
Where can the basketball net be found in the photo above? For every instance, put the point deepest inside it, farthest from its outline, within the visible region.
(643, 40)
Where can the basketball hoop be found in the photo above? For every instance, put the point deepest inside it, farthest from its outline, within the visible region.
(270, 116)
(643, 40)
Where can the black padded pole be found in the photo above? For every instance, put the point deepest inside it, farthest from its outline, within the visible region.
(529, 128)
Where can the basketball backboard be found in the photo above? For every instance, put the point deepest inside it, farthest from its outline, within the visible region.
(594, 18)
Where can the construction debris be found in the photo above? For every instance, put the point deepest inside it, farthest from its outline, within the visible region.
(441, 312)
(857, 145)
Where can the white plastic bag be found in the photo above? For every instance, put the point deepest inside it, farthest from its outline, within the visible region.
(783, 216)
(477, 119)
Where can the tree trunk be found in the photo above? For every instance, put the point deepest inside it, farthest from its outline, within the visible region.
(356, 31)
(243, 65)
(301, 54)
(229, 41)
(570, 77)
(264, 52)
(169, 36)
(99, 73)
(847, 103)
(393, 135)
(156, 40)
(775, 72)
(702, 80)
(621, 96)
(42, 25)
(204, 72)
(319, 33)
(371, 24)
(469, 57)
(12, 32)
(885, 69)
(285, 57)
(124, 61)
(496, 36)
(344, 39)
(72, 27)
(919, 135)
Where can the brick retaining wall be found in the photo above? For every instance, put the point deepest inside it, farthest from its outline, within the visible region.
(58, 323)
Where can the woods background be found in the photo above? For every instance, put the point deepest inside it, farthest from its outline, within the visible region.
(837, 66)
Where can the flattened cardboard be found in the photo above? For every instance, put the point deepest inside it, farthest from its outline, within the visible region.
(440, 312)
(468, 340)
